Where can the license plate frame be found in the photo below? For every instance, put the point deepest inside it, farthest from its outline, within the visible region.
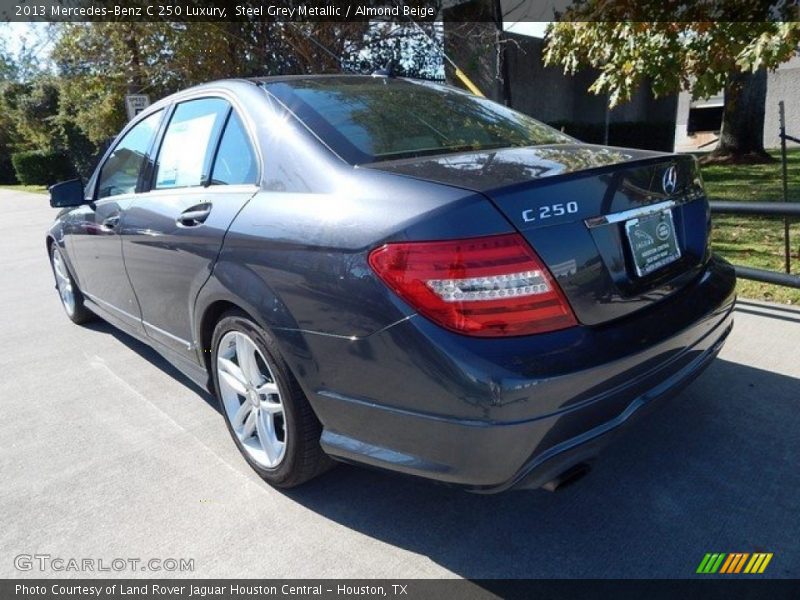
(653, 241)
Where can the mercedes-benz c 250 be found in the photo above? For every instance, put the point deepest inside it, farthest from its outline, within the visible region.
(397, 273)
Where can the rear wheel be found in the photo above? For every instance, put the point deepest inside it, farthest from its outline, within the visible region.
(266, 412)
(71, 297)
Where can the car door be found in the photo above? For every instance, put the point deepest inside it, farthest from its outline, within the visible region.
(205, 171)
(95, 240)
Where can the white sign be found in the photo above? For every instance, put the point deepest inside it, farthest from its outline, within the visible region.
(136, 103)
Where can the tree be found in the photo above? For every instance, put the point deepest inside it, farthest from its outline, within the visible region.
(413, 50)
(701, 56)
(8, 66)
(99, 63)
(8, 73)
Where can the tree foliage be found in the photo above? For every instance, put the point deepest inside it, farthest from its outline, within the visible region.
(73, 100)
(671, 56)
(728, 46)
(8, 66)
(101, 62)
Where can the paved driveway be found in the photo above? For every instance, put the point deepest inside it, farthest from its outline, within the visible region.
(106, 452)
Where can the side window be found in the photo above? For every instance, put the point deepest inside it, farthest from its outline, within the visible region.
(185, 156)
(235, 162)
(121, 170)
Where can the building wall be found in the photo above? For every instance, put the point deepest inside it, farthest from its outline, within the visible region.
(782, 84)
(548, 95)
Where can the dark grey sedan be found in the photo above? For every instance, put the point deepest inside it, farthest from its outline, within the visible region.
(398, 274)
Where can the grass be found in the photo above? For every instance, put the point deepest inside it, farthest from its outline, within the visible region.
(33, 189)
(756, 241)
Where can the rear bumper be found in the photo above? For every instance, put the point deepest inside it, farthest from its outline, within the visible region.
(555, 460)
(495, 414)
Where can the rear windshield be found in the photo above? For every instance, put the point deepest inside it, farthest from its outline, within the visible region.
(365, 119)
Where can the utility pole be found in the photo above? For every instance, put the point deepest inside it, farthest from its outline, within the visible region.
(503, 85)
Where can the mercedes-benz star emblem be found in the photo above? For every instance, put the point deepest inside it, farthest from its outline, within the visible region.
(670, 180)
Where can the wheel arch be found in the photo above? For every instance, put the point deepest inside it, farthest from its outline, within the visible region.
(290, 341)
(206, 324)
(50, 241)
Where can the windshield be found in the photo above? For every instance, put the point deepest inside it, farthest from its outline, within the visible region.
(366, 119)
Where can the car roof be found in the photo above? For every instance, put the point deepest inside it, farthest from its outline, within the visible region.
(232, 84)
(361, 78)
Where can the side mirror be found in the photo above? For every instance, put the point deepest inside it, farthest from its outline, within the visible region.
(66, 193)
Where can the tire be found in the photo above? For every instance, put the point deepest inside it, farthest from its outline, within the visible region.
(261, 400)
(68, 291)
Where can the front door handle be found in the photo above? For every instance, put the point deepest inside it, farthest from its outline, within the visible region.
(194, 216)
(110, 223)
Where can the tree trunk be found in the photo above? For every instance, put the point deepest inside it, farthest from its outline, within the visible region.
(134, 66)
(741, 139)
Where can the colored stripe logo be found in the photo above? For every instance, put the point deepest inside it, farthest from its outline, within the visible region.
(734, 562)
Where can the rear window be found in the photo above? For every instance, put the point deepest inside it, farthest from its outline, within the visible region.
(369, 120)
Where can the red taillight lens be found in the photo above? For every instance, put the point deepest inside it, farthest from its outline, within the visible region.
(488, 286)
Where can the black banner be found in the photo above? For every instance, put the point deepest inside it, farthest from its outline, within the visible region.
(397, 10)
(328, 589)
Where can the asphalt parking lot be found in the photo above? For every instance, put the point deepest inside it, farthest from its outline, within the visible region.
(106, 452)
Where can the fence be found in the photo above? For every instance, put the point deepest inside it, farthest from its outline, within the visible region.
(786, 209)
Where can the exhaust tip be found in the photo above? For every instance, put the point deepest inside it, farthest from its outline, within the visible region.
(568, 477)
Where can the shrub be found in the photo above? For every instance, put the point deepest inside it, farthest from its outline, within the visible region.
(6, 170)
(40, 167)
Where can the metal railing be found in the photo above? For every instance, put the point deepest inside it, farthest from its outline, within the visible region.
(786, 210)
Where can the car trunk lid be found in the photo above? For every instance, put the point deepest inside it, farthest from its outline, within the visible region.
(595, 215)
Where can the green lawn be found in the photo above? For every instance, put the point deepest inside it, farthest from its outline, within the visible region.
(34, 189)
(755, 241)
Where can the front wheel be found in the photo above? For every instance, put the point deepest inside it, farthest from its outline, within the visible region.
(266, 412)
(71, 297)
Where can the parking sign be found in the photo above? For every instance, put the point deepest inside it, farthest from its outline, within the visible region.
(136, 103)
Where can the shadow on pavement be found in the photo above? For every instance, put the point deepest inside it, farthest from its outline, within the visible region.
(714, 470)
(152, 357)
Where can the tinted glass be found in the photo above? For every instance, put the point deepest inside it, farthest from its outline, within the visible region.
(185, 156)
(121, 171)
(235, 162)
(365, 120)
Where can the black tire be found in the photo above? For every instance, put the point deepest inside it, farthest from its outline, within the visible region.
(303, 458)
(77, 312)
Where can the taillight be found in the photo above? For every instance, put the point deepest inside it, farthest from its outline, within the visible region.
(487, 286)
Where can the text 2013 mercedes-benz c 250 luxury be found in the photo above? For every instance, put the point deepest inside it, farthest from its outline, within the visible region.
(397, 273)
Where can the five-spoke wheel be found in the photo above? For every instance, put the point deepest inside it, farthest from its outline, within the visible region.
(266, 411)
(251, 399)
(63, 282)
(71, 297)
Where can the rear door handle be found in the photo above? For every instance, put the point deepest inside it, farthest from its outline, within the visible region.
(111, 222)
(194, 216)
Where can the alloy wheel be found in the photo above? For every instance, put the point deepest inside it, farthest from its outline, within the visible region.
(63, 283)
(251, 399)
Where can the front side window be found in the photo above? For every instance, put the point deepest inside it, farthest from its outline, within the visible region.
(185, 156)
(235, 162)
(120, 173)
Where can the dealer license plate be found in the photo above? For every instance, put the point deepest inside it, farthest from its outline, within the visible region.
(653, 242)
